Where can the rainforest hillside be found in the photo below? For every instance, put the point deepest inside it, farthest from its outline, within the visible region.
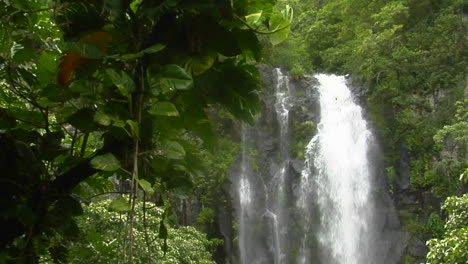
(121, 121)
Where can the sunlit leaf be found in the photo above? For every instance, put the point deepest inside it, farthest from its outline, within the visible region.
(102, 118)
(135, 5)
(153, 49)
(122, 80)
(47, 67)
(146, 186)
(281, 27)
(253, 19)
(129, 56)
(169, 77)
(199, 64)
(106, 162)
(164, 109)
(173, 150)
(120, 205)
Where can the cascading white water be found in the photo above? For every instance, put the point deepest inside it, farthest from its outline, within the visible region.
(262, 213)
(245, 197)
(336, 178)
(326, 214)
(276, 205)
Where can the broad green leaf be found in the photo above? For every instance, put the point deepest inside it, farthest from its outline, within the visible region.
(131, 56)
(46, 67)
(199, 64)
(108, 119)
(173, 150)
(86, 87)
(153, 49)
(102, 118)
(118, 123)
(253, 19)
(135, 5)
(26, 53)
(53, 94)
(146, 186)
(120, 205)
(106, 162)
(168, 78)
(122, 80)
(278, 22)
(162, 230)
(175, 77)
(25, 4)
(114, 7)
(153, 79)
(249, 43)
(163, 109)
(180, 184)
(85, 49)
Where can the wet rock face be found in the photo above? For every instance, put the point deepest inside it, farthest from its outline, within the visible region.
(305, 109)
(304, 98)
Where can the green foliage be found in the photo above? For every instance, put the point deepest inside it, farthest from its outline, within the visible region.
(96, 89)
(409, 259)
(410, 55)
(292, 52)
(453, 246)
(391, 177)
(163, 109)
(106, 162)
(435, 226)
(297, 70)
(102, 238)
(301, 135)
(206, 218)
(452, 143)
(410, 223)
(209, 187)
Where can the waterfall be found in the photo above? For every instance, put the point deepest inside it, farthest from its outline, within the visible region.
(320, 210)
(335, 181)
(277, 206)
(262, 198)
(245, 198)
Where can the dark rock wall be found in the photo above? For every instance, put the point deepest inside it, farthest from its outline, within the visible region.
(306, 108)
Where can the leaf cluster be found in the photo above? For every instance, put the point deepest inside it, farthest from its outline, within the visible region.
(100, 90)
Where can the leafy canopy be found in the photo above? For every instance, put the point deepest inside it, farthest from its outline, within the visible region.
(94, 89)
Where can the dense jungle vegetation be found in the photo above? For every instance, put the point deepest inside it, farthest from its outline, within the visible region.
(411, 58)
(112, 112)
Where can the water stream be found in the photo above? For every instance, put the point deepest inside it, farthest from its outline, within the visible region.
(336, 178)
(263, 214)
(322, 215)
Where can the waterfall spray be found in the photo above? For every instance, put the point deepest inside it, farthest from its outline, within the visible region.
(336, 178)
